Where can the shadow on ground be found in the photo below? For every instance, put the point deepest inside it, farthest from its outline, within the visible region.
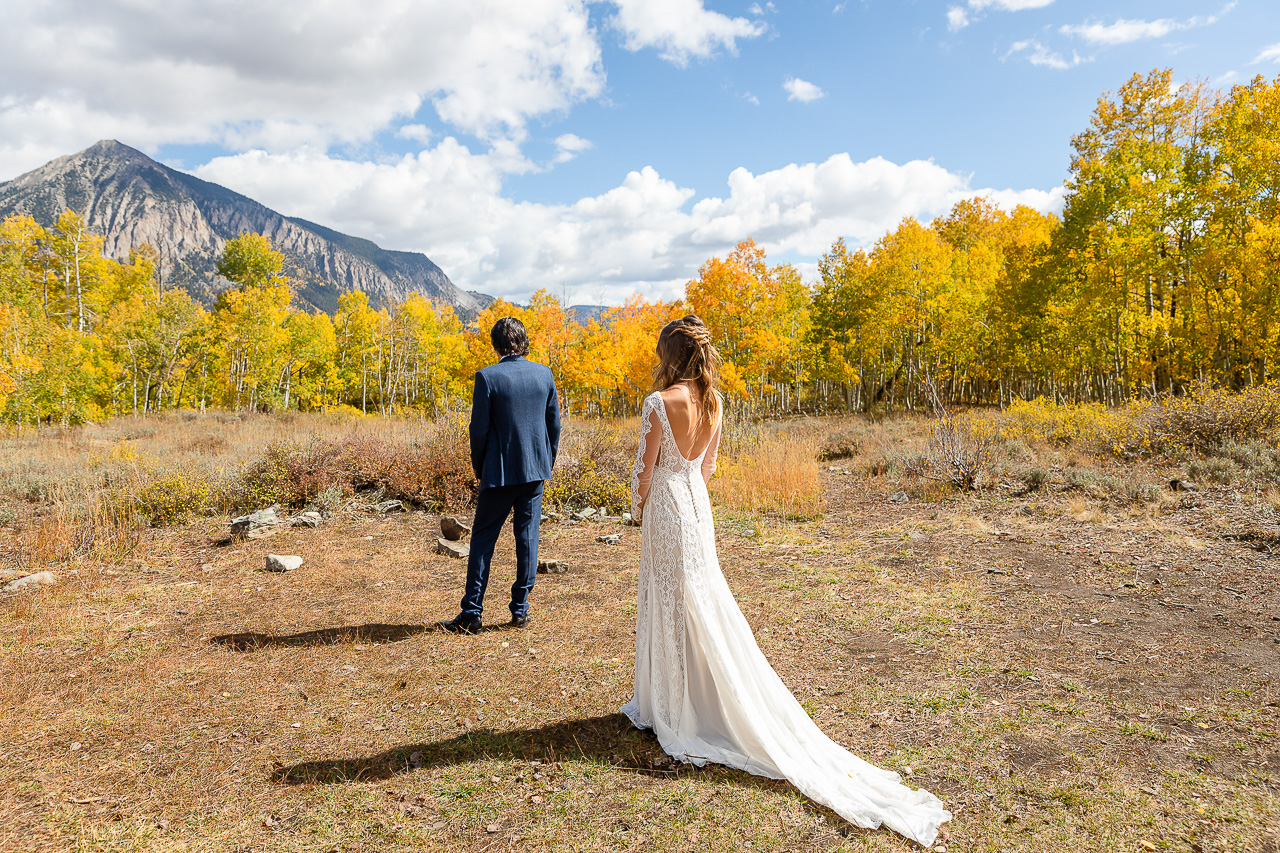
(609, 738)
(249, 641)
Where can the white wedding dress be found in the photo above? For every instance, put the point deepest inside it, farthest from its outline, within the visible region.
(702, 683)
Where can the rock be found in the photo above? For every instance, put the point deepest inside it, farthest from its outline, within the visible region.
(388, 506)
(306, 519)
(454, 529)
(584, 514)
(256, 525)
(1183, 486)
(899, 498)
(544, 519)
(553, 515)
(611, 539)
(1022, 509)
(552, 567)
(452, 549)
(37, 579)
(282, 563)
(10, 574)
(626, 517)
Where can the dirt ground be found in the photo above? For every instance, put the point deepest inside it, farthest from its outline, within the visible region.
(1064, 674)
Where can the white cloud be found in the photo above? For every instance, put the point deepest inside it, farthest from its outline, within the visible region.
(415, 132)
(241, 73)
(647, 234)
(1037, 54)
(767, 8)
(680, 29)
(1268, 54)
(1228, 78)
(570, 145)
(1123, 30)
(839, 7)
(959, 17)
(750, 99)
(1008, 5)
(802, 90)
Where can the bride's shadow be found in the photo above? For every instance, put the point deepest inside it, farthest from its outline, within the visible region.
(609, 738)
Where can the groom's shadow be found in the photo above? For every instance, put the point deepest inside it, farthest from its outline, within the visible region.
(374, 632)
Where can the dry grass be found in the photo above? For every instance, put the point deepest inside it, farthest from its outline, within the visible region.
(1041, 672)
(778, 477)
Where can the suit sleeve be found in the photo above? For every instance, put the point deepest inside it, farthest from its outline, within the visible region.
(553, 421)
(479, 428)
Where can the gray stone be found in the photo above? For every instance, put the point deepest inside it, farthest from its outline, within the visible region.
(263, 518)
(454, 529)
(552, 567)
(10, 574)
(1023, 509)
(388, 506)
(626, 517)
(611, 539)
(307, 519)
(452, 549)
(37, 579)
(1183, 486)
(899, 498)
(282, 563)
(261, 532)
(584, 514)
(544, 519)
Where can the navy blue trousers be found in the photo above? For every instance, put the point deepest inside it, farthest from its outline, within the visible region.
(524, 503)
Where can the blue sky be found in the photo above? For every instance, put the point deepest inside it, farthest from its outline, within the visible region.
(604, 148)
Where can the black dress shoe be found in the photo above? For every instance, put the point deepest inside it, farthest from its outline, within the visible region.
(460, 625)
(518, 621)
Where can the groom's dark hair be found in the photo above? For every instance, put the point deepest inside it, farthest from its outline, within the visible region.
(509, 337)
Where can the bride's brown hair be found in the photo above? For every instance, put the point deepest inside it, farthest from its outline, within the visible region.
(686, 354)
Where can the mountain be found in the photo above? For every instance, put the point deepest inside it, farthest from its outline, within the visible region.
(130, 199)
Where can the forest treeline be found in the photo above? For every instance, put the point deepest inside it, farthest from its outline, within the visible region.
(1162, 272)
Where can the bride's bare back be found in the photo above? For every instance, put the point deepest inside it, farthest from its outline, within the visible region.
(682, 414)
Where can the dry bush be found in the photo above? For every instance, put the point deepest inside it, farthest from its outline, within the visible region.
(843, 445)
(780, 476)
(957, 451)
(593, 467)
(433, 472)
(1208, 417)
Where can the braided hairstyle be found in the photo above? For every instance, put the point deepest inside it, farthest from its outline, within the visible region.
(686, 354)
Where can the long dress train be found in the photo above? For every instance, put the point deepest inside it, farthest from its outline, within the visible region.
(702, 683)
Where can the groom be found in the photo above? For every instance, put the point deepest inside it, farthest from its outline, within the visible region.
(515, 433)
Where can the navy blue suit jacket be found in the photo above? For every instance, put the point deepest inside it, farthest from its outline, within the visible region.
(515, 423)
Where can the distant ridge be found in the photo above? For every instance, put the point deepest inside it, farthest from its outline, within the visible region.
(130, 199)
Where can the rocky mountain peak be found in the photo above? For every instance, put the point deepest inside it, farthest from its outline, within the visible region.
(130, 199)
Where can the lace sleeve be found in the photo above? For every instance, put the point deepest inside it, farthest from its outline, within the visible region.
(709, 458)
(646, 457)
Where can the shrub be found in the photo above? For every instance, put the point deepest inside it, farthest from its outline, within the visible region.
(957, 451)
(1214, 469)
(172, 497)
(1035, 478)
(1207, 417)
(594, 467)
(842, 445)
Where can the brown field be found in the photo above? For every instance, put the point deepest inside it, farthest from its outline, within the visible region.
(1067, 669)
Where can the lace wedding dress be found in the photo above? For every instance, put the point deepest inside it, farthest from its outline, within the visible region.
(702, 683)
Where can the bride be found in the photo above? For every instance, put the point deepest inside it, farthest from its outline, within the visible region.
(702, 684)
